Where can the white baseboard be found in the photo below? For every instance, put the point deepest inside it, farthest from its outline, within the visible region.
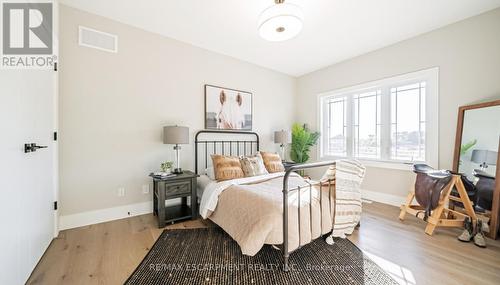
(104, 215)
(383, 198)
(116, 213)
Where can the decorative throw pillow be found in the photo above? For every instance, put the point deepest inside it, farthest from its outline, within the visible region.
(226, 167)
(253, 165)
(272, 162)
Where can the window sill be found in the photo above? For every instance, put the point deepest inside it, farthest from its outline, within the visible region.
(406, 166)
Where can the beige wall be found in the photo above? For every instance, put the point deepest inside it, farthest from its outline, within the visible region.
(113, 106)
(468, 56)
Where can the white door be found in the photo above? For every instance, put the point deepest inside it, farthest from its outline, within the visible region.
(26, 179)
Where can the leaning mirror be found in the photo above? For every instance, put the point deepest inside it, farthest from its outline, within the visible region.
(476, 157)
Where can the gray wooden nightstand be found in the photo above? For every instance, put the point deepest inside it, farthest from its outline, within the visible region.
(179, 186)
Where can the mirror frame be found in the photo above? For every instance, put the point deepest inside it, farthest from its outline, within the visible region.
(495, 208)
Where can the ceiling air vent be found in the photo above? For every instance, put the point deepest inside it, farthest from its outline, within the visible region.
(91, 38)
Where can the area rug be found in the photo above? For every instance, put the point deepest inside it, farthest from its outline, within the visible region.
(210, 256)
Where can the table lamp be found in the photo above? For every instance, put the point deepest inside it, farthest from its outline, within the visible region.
(484, 157)
(176, 135)
(283, 138)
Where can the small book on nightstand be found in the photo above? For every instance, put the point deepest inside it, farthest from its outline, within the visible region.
(162, 175)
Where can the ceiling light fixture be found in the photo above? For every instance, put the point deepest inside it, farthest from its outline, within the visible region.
(280, 22)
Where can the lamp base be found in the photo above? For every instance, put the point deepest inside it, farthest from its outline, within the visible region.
(177, 171)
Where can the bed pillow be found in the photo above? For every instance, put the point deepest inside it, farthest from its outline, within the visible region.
(226, 167)
(272, 162)
(210, 173)
(253, 165)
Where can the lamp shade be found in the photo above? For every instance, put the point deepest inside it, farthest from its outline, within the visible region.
(282, 137)
(487, 156)
(175, 135)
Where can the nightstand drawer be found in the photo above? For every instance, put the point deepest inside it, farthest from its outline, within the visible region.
(178, 188)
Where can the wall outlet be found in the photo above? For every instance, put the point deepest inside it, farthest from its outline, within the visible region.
(121, 192)
(145, 189)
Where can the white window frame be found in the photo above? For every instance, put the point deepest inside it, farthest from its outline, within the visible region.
(430, 76)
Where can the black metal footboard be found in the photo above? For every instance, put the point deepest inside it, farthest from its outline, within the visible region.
(286, 192)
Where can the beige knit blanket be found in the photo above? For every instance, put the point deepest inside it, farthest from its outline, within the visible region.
(348, 177)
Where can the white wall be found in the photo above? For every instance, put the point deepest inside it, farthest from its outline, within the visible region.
(468, 56)
(113, 107)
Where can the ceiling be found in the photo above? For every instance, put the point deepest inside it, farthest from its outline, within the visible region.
(334, 30)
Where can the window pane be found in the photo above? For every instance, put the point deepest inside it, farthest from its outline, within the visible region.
(367, 125)
(422, 103)
(407, 121)
(337, 127)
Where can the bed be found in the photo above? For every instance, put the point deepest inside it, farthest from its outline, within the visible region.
(278, 208)
(202, 183)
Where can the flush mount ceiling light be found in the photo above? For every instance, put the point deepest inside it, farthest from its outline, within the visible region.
(280, 22)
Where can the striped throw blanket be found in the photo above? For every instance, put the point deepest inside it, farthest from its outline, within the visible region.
(348, 175)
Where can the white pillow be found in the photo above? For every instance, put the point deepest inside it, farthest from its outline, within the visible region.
(253, 165)
(210, 173)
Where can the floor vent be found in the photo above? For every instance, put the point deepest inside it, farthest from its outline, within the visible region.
(91, 38)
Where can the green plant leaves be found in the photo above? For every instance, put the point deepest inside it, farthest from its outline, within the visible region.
(166, 165)
(465, 148)
(302, 141)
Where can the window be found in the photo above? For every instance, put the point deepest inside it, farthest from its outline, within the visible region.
(367, 124)
(408, 122)
(337, 139)
(388, 122)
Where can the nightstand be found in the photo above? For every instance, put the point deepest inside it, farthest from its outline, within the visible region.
(179, 186)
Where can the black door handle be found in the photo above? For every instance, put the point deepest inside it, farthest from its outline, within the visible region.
(32, 147)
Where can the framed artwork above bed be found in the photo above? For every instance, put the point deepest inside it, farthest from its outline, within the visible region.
(227, 109)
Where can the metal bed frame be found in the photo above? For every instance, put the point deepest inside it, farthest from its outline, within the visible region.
(209, 146)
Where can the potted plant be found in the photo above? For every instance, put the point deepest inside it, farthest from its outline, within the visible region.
(302, 141)
(465, 148)
(166, 167)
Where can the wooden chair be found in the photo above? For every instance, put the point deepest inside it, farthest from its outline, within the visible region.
(442, 216)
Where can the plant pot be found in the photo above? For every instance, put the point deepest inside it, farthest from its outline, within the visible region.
(167, 171)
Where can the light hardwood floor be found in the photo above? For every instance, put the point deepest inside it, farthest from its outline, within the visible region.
(108, 253)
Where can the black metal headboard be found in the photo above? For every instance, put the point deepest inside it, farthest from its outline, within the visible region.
(236, 143)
